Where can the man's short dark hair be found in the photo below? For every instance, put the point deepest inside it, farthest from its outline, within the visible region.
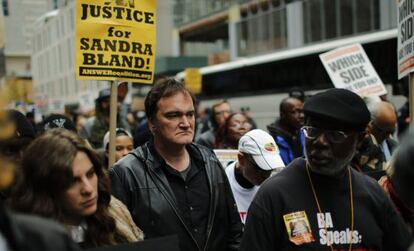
(165, 87)
(285, 103)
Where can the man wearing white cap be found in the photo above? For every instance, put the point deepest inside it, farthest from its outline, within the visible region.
(258, 156)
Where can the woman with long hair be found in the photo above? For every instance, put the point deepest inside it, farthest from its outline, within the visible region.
(229, 134)
(63, 179)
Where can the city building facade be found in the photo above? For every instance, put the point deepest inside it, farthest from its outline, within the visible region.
(19, 16)
(53, 63)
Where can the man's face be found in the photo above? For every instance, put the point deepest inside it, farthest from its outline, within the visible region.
(251, 171)
(174, 121)
(328, 152)
(122, 91)
(293, 115)
(221, 113)
(106, 105)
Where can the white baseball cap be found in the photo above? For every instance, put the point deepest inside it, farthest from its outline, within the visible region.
(262, 147)
(118, 131)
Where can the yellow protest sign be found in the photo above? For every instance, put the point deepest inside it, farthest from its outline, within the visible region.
(115, 39)
(193, 80)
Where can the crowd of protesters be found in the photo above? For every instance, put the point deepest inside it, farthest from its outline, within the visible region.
(328, 174)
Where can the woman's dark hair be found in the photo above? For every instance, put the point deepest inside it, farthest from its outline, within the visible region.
(165, 87)
(47, 174)
(222, 139)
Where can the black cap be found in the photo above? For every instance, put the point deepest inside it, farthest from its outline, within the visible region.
(58, 121)
(345, 109)
(104, 93)
(23, 127)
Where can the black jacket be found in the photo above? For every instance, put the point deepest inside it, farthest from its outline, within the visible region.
(31, 233)
(146, 192)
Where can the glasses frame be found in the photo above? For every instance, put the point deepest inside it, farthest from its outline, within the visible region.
(326, 132)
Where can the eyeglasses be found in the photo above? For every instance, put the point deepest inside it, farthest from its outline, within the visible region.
(332, 135)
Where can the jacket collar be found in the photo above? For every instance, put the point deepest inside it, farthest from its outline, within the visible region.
(158, 161)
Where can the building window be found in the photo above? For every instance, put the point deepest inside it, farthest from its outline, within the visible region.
(5, 7)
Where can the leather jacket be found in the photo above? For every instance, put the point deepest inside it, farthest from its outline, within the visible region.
(146, 192)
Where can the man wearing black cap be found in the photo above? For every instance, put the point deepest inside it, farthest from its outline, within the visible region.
(319, 202)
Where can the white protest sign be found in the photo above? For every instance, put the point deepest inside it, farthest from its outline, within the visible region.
(226, 156)
(405, 37)
(56, 106)
(350, 68)
(86, 102)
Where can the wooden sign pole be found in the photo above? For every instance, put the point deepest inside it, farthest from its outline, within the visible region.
(112, 122)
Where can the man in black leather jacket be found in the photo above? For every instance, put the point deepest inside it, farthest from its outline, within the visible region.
(172, 186)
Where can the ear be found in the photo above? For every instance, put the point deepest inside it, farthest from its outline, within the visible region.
(152, 126)
(361, 137)
(241, 158)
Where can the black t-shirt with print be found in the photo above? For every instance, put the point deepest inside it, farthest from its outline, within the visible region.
(284, 214)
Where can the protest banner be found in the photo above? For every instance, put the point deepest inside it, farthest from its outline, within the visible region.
(350, 68)
(226, 156)
(193, 80)
(115, 40)
(405, 40)
(86, 102)
(56, 106)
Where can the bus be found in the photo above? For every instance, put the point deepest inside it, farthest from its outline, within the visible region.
(259, 83)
